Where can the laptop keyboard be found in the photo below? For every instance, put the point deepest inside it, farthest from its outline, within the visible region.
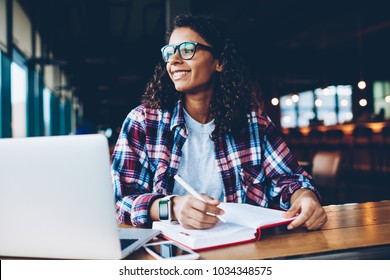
(127, 242)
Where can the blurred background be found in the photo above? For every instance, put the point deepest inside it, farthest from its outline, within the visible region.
(80, 66)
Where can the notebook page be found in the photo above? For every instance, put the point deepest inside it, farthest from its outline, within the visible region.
(249, 215)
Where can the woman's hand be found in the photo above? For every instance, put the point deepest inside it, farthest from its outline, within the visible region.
(193, 213)
(310, 212)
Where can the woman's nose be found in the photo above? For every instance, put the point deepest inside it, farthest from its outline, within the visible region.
(175, 58)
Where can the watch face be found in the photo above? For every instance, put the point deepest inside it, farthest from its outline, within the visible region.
(163, 209)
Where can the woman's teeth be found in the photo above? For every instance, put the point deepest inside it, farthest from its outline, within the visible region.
(179, 74)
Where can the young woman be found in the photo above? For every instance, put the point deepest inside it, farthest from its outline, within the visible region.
(201, 118)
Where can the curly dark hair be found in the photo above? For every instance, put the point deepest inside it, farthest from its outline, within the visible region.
(235, 94)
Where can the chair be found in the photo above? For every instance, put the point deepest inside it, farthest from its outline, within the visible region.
(315, 142)
(385, 155)
(362, 154)
(361, 174)
(316, 136)
(325, 171)
(296, 142)
(334, 139)
(294, 136)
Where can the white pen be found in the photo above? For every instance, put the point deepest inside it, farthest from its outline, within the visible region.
(191, 190)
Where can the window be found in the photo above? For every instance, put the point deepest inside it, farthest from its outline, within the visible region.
(330, 106)
(288, 110)
(19, 100)
(344, 95)
(326, 105)
(305, 108)
(47, 111)
(382, 99)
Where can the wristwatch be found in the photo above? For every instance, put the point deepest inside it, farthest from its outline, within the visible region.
(165, 210)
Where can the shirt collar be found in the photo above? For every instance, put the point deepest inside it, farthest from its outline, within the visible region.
(177, 115)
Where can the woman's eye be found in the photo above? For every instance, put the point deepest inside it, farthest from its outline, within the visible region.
(188, 50)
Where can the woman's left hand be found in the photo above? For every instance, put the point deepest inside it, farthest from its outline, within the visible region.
(310, 212)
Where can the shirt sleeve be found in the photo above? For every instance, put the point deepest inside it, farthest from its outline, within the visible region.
(282, 170)
(131, 175)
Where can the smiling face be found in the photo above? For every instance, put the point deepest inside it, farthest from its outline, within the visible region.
(195, 75)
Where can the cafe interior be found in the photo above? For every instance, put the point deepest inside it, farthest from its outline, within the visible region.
(322, 66)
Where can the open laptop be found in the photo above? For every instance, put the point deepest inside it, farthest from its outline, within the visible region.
(56, 200)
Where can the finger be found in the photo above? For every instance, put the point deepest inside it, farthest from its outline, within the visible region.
(207, 222)
(199, 210)
(313, 221)
(299, 220)
(312, 217)
(215, 211)
(206, 207)
(206, 197)
(203, 217)
(293, 211)
(317, 220)
(317, 225)
(193, 220)
(210, 200)
(199, 220)
(214, 202)
(194, 224)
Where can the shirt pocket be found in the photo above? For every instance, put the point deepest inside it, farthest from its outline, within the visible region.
(252, 181)
(252, 175)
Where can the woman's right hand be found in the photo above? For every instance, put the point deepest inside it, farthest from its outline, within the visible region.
(193, 213)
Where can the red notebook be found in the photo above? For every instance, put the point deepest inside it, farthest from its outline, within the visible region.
(243, 224)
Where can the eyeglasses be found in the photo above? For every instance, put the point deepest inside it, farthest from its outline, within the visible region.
(186, 50)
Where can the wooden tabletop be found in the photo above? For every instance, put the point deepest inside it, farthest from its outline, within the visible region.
(351, 229)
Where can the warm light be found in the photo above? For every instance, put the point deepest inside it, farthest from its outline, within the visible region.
(289, 102)
(344, 103)
(275, 101)
(387, 99)
(363, 102)
(295, 98)
(362, 85)
(318, 102)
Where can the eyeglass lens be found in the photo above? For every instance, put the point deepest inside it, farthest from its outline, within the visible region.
(186, 51)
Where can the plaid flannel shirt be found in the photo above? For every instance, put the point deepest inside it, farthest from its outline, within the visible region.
(256, 166)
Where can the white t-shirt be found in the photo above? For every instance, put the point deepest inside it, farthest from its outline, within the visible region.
(198, 165)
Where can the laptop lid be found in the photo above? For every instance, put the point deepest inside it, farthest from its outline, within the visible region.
(56, 199)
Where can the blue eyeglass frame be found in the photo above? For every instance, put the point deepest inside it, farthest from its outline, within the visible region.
(177, 47)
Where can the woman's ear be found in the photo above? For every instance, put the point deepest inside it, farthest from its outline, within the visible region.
(219, 67)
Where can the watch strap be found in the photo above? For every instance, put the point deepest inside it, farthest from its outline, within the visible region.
(165, 210)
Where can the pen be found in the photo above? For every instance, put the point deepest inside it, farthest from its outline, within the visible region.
(188, 188)
(191, 190)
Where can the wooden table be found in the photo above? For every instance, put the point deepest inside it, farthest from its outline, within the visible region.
(353, 231)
